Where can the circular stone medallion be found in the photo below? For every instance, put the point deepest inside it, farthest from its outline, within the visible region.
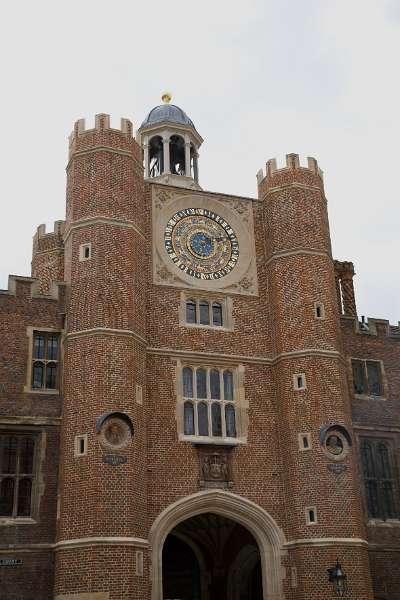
(115, 433)
(335, 445)
(201, 243)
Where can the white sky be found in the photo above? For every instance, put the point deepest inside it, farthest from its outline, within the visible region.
(259, 78)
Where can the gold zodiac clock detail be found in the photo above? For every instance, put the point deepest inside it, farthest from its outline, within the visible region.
(201, 243)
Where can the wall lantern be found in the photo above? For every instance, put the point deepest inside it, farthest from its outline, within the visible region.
(338, 579)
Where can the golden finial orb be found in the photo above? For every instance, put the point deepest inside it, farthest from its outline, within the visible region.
(166, 97)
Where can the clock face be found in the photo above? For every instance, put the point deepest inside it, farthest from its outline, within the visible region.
(201, 243)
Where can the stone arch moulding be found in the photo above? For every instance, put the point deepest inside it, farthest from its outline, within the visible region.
(269, 537)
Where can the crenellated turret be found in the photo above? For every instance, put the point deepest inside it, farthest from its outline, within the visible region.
(103, 439)
(310, 374)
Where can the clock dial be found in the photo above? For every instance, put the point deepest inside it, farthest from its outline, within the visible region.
(201, 243)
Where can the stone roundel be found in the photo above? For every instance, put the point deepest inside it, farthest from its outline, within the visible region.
(115, 433)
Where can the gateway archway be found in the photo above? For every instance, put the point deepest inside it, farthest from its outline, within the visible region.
(210, 557)
(257, 560)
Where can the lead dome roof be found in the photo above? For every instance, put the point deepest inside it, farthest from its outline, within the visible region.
(169, 113)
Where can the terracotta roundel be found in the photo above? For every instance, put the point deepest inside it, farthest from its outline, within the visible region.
(201, 243)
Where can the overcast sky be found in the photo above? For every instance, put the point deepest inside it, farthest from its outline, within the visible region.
(259, 78)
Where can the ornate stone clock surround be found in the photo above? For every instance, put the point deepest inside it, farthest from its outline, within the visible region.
(236, 211)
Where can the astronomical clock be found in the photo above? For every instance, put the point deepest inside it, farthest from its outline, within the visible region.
(204, 241)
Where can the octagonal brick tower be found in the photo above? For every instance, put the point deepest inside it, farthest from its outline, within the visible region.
(311, 386)
(102, 508)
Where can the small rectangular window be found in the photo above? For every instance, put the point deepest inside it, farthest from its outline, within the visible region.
(304, 441)
(299, 381)
(204, 313)
(319, 310)
(311, 515)
(81, 443)
(85, 252)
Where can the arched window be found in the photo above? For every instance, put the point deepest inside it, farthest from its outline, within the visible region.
(189, 418)
(188, 382)
(230, 420)
(215, 384)
(177, 155)
(203, 418)
(204, 313)
(216, 419)
(228, 385)
(17, 474)
(379, 480)
(201, 383)
(209, 412)
(217, 314)
(156, 156)
(191, 311)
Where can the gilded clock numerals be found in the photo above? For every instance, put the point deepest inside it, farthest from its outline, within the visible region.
(201, 243)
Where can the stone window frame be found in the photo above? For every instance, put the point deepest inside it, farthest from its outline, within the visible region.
(38, 481)
(307, 511)
(197, 296)
(77, 440)
(30, 330)
(296, 386)
(240, 403)
(321, 307)
(384, 381)
(82, 251)
(301, 437)
(393, 440)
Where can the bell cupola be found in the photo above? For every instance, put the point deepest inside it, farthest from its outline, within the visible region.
(170, 144)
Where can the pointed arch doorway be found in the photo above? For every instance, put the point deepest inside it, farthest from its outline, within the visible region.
(210, 557)
(215, 545)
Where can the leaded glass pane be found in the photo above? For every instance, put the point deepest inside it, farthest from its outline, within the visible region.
(228, 385)
(27, 446)
(51, 376)
(191, 312)
(188, 418)
(52, 347)
(201, 384)
(216, 419)
(215, 384)
(374, 378)
(360, 384)
(188, 382)
(202, 414)
(367, 460)
(388, 500)
(384, 466)
(204, 313)
(8, 463)
(38, 375)
(217, 314)
(24, 498)
(38, 346)
(371, 490)
(230, 421)
(6, 497)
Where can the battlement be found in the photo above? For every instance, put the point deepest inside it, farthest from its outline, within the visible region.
(58, 230)
(292, 163)
(51, 240)
(102, 123)
(23, 287)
